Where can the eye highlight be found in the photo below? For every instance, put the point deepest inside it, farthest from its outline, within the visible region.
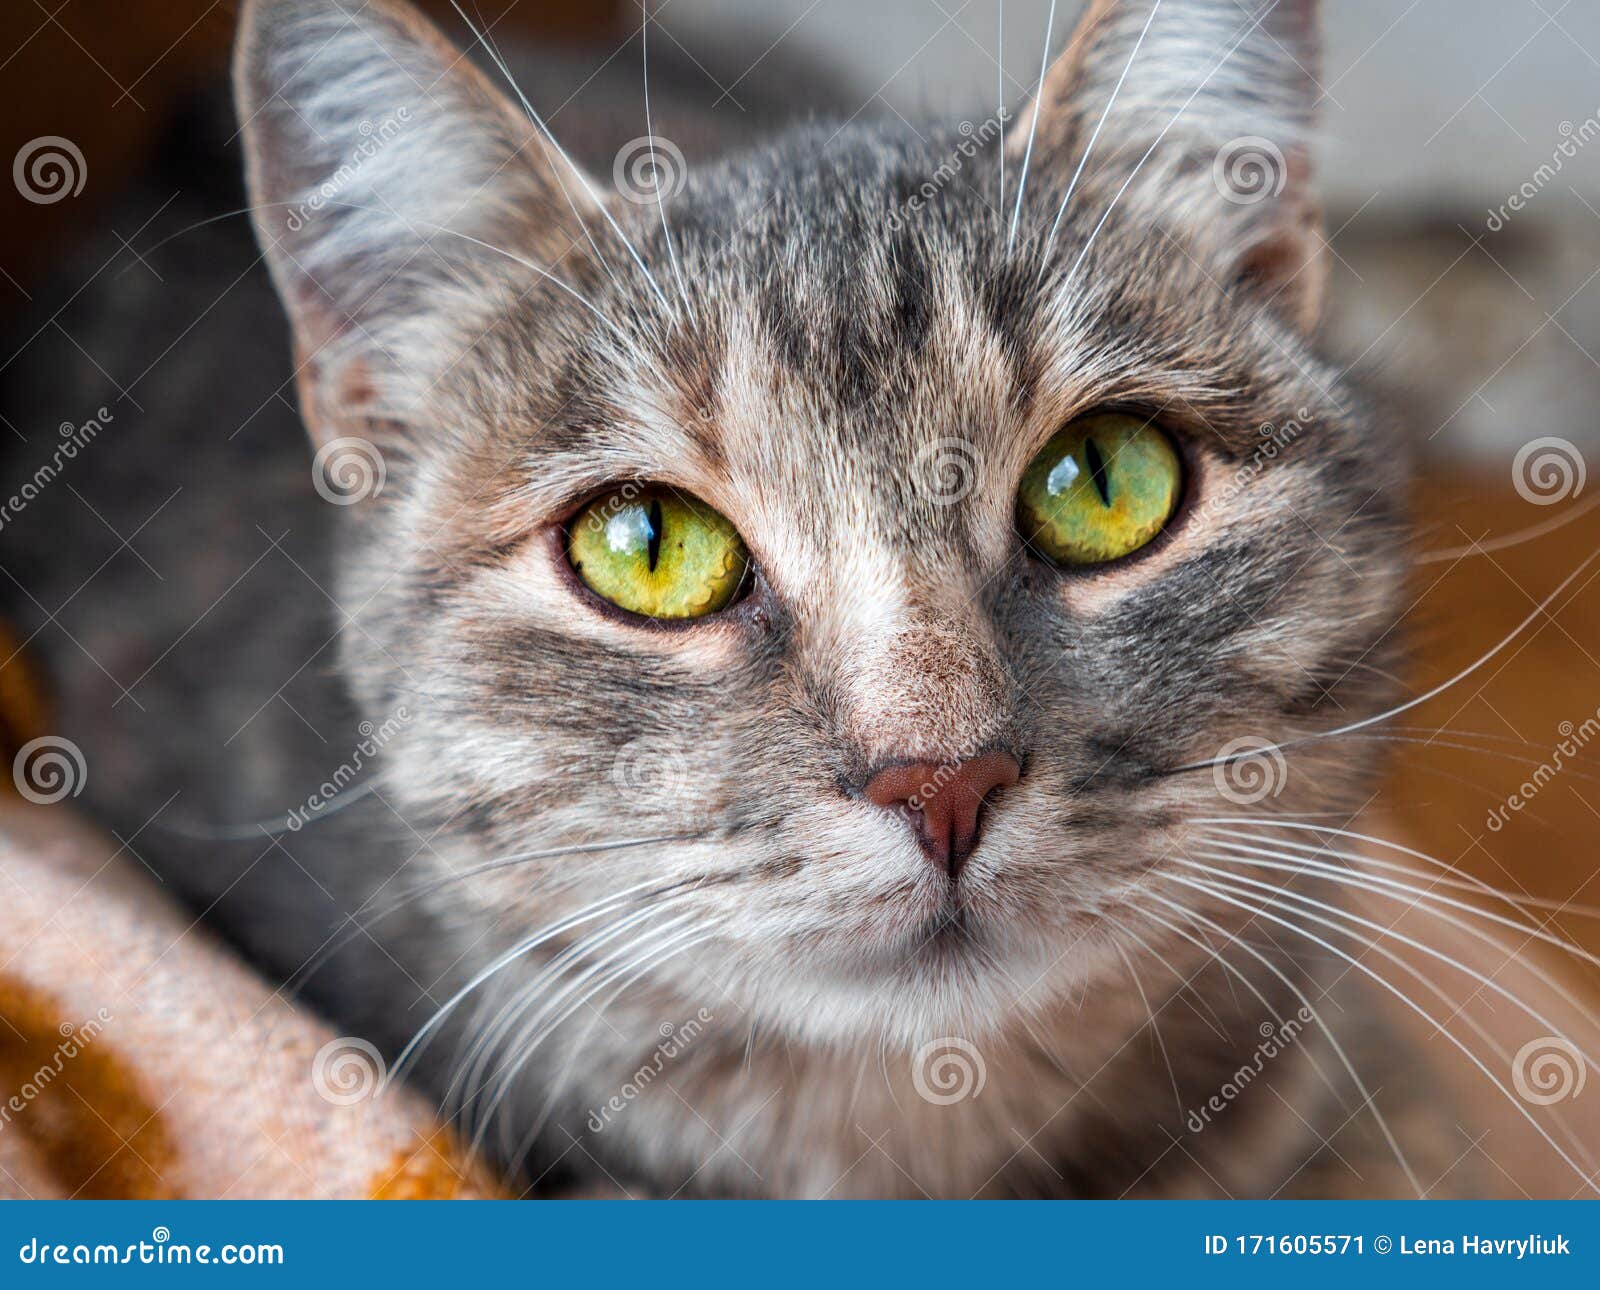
(1103, 487)
(657, 553)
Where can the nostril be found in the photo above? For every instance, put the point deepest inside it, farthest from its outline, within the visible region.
(944, 800)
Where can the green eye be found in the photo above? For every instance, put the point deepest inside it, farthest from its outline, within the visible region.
(1101, 489)
(656, 552)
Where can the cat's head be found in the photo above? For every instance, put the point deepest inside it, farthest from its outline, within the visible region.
(911, 551)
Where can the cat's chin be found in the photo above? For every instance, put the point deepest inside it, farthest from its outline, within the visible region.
(953, 979)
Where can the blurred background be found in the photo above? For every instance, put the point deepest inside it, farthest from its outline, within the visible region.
(1462, 178)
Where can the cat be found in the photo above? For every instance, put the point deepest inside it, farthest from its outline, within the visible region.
(734, 797)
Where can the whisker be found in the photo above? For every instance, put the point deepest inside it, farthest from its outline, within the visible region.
(605, 905)
(482, 37)
(649, 129)
(1213, 891)
(1234, 938)
(1033, 125)
(1457, 1008)
(558, 1082)
(344, 935)
(1283, 891)
(1456, 876)
(1089, 147)
(481, 1050)
(1150, 152)
(1142, 943)
(1437, 690)
(1527, 534)
(1373, 882)
(272, 828)
(1155, 1029)
(545, 1022)
(561, 152)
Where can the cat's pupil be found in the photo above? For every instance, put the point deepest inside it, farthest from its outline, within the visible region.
(654, 540)
(1097, 470)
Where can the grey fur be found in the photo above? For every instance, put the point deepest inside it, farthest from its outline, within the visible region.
(827, 349)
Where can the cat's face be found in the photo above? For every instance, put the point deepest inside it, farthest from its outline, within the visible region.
(856, 373)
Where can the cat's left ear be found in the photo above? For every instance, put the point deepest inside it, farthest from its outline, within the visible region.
(1208, 135)
(398, 197)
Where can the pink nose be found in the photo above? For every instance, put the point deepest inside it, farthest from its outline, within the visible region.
(944, 801)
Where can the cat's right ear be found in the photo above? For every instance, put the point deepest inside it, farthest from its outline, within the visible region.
(390, 184)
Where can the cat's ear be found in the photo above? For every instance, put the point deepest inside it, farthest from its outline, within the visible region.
(392, 189)
(1208, 110)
